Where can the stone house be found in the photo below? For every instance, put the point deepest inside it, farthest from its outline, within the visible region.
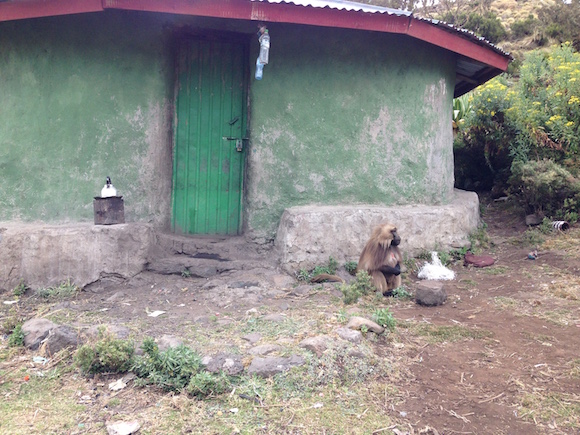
(353, 113)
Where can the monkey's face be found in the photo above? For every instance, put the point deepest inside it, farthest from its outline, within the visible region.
(387, 235)
(396, 239)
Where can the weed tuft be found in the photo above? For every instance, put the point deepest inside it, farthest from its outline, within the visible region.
(20, 289)
(350, 267)
(16, 338)
(65, 290)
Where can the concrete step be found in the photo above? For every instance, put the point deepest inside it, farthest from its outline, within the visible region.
(207, 256)
(200, 267)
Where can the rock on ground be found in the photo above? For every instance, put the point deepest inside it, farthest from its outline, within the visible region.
(430, 293)
(358, 323)
(36, 330)
(60, 337)
(228, 363)
(270, 366)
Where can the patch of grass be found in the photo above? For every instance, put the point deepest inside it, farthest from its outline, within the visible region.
(269, 328)
(44, 404)
(337, 367)
(543, 406)
(470, 283)
(329, 268)
(575, 368)
(479, 239)
(494, 270)
(532, 238)
(565, 288)
(65, 290)
(568, 241)
(402, 293)
(505, 303)
(362, 286)
(453, 333)
(107, 355)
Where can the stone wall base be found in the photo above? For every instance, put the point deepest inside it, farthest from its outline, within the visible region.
(45, 255)
(309, 235)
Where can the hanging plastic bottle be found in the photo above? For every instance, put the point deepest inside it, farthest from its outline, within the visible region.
(264, 47)
(259, 69)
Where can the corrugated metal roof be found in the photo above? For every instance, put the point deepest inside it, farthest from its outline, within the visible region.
(362, 7)
(343, 5)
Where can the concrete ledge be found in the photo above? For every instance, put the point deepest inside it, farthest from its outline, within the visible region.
(309, 235)
(44, 255)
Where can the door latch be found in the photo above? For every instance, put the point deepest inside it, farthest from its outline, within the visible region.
(239, 142)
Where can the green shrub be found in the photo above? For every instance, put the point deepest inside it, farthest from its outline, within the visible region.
(522, 28)
(107, 355)
(532, 119)
(545, 187)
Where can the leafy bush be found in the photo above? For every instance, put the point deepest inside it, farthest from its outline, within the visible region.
(107, 355)
(487, 24)
(522, 28)
(544, 187)
(533, 119)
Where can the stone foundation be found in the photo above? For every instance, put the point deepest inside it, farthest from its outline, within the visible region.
(309, 235)
(45, 255)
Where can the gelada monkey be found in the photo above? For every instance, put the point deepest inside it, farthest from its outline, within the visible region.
(382, 259)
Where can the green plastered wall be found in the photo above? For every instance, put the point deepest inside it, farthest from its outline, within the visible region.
(84, 97)
(340, 117)
(348, 117)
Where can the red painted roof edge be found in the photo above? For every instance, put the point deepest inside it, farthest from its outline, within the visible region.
(450, 40)
(19, 10)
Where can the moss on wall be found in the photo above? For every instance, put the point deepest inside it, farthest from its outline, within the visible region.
(347, 117)
(84, 97)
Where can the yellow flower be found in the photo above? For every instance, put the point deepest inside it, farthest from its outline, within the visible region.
(492, 113)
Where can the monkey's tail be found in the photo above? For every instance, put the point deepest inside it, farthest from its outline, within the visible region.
(323, 277)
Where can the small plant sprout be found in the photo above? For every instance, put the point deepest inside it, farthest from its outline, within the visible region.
(384, 317)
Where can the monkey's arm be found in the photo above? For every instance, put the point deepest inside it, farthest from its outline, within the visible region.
(391, 270)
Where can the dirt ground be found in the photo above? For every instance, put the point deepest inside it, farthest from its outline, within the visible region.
(519, 373)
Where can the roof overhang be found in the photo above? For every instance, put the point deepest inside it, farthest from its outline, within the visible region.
(477, 59)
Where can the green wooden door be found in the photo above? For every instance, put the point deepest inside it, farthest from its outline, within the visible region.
(209, 150)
